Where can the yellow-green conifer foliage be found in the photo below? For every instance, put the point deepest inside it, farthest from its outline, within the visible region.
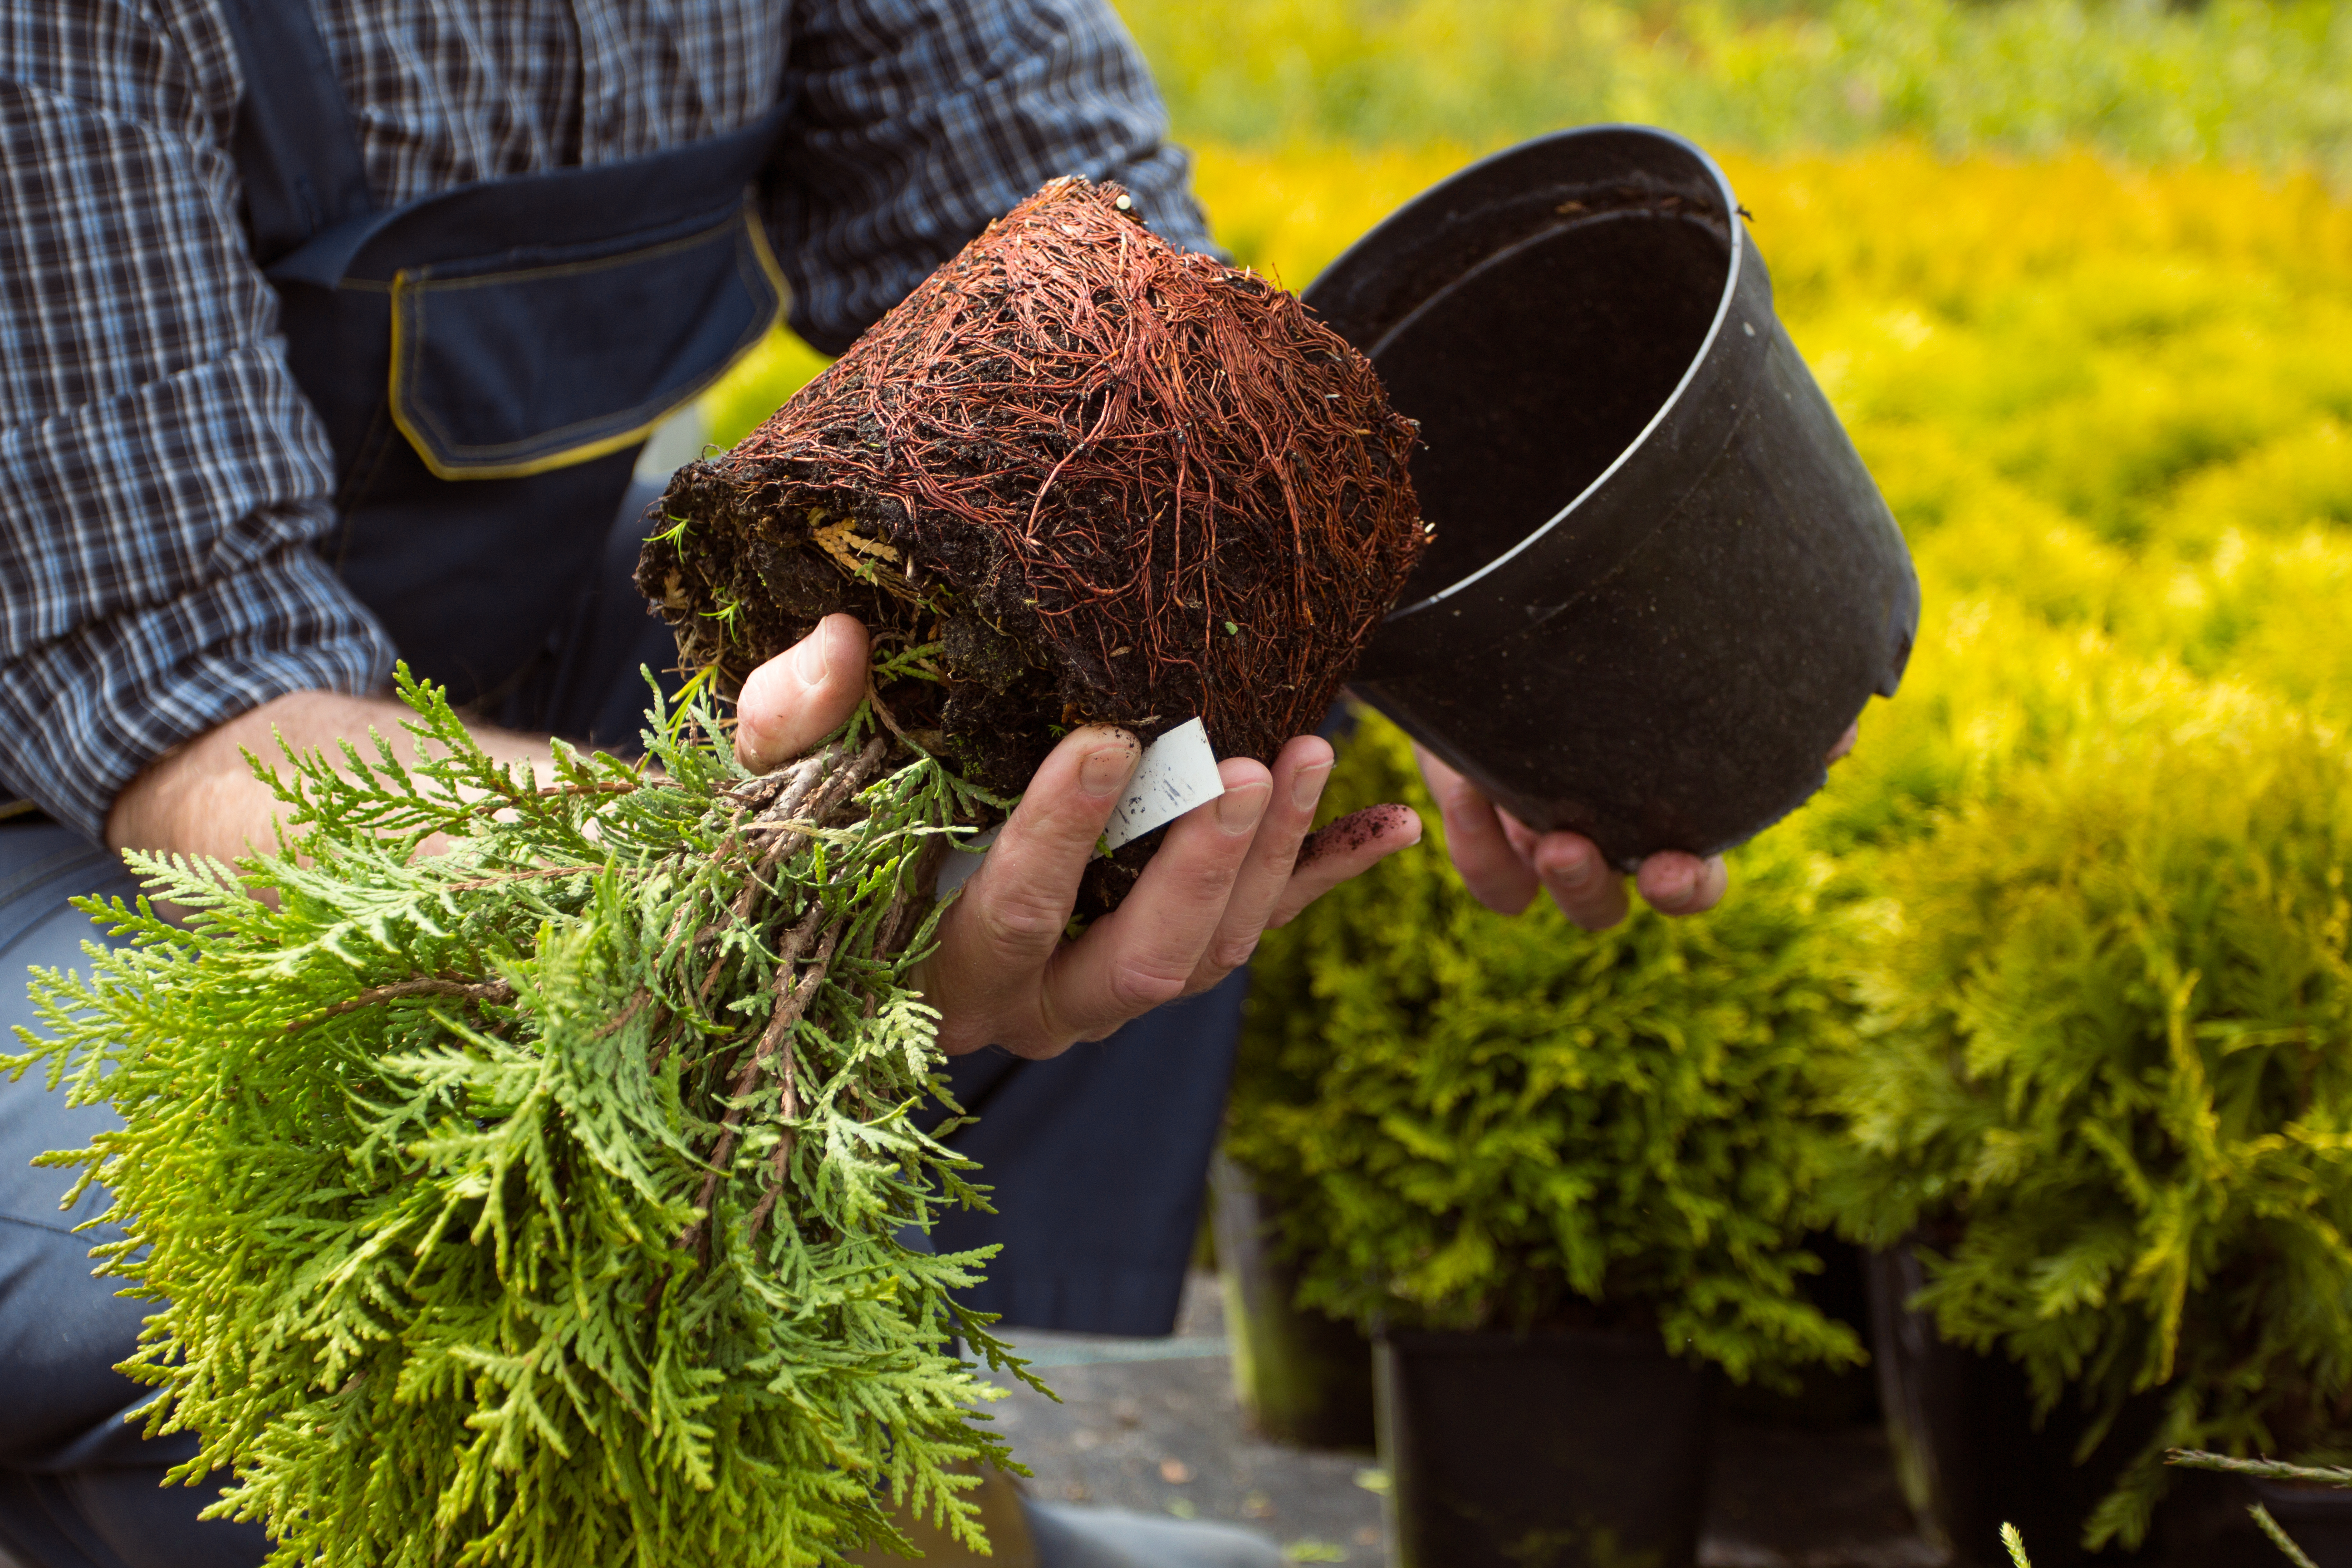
(2105, 1085)
(551, 1200)
(1472, 1122)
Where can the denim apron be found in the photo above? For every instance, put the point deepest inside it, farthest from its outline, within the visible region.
(485, 416)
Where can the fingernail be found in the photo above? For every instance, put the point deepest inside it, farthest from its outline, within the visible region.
(809, 659)
(1108, 767)
(1307, 788)
(1577, 872)
(1239, 809)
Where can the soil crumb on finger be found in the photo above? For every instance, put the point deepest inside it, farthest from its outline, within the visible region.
(1352, 832)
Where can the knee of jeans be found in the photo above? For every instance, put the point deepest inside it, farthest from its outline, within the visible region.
(61, 1333)
(150, 1525)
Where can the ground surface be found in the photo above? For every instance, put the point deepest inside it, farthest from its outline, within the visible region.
(1154, 1424)
(1165, 1435)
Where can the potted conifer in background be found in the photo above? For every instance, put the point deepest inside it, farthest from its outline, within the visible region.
(2102, 1123)
(1565, 1176)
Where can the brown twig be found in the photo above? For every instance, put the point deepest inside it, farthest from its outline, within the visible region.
(531, 876)
(793, 999)
(882, 712)
(620, 1020)
(828, 795)
(792, 828)
(480, 991)
(508, 802)
(787, 1111)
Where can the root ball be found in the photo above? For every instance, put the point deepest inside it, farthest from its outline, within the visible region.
(1077, 476)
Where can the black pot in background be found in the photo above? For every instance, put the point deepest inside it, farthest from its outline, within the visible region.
(2318, 1521)
(1662, 583)
(1971, 1459)
(1301, 1377)
(1558, 1450)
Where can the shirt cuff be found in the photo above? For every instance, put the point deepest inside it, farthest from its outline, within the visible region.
(88, 712)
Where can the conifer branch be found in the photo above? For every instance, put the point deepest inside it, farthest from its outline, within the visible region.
(2269, 1526)
(2260, 1469)
(471, 1274)
(792, 1003)
(533, 874)
(495, 992)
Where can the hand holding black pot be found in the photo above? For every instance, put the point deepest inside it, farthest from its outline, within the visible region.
(1661, 586)
(1503, 861)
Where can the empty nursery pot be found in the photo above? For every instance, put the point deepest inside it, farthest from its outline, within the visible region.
(1662, 583)
(1549, 1450)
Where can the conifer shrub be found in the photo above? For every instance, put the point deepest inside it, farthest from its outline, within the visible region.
(546, 1200)
(1473, 1121)
(2104, 1082)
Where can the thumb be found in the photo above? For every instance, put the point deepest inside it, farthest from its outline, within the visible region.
(802, 695)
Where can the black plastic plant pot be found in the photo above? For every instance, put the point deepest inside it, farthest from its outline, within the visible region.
(1301, 1377)
(1662, 583)
(1567, 1450)
(1971, 1456)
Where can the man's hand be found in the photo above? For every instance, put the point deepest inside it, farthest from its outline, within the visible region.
(1004, 972)
(1503, 861)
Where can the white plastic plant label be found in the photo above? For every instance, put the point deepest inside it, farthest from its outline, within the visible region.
(1178, 773)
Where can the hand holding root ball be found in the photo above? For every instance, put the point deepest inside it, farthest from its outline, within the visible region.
(1003, 974)
(1078, 490)
(1196, 504)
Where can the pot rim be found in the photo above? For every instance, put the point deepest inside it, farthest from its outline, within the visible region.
(1737, 255)
(1511, 1342)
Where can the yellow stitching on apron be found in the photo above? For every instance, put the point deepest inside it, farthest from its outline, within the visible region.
(486, 468)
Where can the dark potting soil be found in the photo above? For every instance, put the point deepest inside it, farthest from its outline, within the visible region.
(1076, 477)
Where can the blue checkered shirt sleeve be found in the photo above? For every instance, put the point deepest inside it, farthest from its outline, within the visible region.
(162, 480)
(163, 483)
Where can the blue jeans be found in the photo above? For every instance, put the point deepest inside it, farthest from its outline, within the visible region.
(78, 1485)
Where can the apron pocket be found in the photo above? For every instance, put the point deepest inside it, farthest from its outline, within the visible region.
(509, 370)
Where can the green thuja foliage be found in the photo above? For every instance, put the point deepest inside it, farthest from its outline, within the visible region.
(547, 1200)
(2106, 1081)
(1469, 1121)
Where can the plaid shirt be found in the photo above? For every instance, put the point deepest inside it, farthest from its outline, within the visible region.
(162, 481)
